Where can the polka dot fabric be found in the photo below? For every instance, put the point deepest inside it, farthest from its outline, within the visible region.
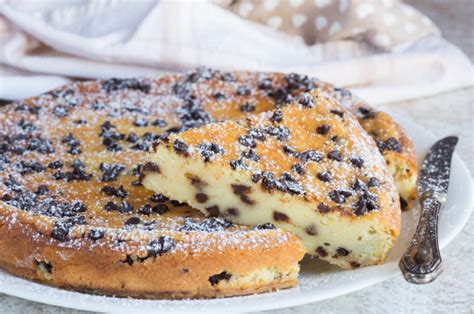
(382, 23)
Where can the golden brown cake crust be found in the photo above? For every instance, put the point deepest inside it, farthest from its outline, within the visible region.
(65, 155)
(84, 266)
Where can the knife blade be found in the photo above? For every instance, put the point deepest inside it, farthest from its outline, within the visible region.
(436, 167)
(422, 262)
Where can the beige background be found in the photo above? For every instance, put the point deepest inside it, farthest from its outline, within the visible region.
(445, 114)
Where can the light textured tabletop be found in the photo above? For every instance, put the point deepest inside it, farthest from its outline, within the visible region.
(447, 114)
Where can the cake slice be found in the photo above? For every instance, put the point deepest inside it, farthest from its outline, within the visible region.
(307, 167)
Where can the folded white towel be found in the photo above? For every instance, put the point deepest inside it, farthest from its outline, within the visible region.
(123, 38)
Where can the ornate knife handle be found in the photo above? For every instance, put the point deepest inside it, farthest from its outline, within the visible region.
(421, 263)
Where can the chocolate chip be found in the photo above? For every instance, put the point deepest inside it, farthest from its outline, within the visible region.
(111, 171)
(208, 150)
(115, 84)
(373, 182)
(70, 140)
(132, 138)
(227, 77)
(61, 231)
(78, 206)
(195, 180)
(58, 175)
(175, 203)
(257, 134)
(269, 181)
(159, 198)
(337, 112)
(160, 123)
(160, 208)
(277, 116)
(214, 280)
(278, 216)
(125, 207)
(60, 111)
(403, 203)
(233, 212)
(201, 197)
(213, 211)
(132, 221)
(74, 150)
(335, 155)
(339, 196)
(27, 167)
(290, 185)
(110, 206)
(357, 161)
(311, 230)
(323, 208)
(342, 251)
(160, 246)
(310, 155)
(306, 100)
(290, 151)
(265, 84)
(219, 96)
(120, 192)
(354, 264)
(151, 167)
(366, 113)
(280, 132)
(108, 190)
(128, 260)
(96, 234)
(365, 203)
(251, 154)
(359, 185)
(247, 107)
(145, 209)
(41, 145)
(181, 148)
(265, 226)
(242, 191)
(55, 164)
(323, 129)
(321, 251)
(298, 168)
(256, 177)
(137, 183)
(393, 144)
(324, 176)
(281, 96)
(78, 164)
(244, 91)
(237, 164)
(247, 141)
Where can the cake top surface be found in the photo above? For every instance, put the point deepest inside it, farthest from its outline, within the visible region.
(71, 159)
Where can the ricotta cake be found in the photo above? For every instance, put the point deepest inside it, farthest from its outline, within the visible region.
(73, 211)
(307, 167)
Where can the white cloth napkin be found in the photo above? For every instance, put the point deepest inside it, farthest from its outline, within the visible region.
(56, 40)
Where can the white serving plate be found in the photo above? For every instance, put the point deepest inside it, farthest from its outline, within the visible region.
(318, 280)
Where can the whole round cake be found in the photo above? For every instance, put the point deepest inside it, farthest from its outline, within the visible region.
(74, 213)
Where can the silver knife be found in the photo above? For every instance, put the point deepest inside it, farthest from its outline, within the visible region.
(421, 263)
